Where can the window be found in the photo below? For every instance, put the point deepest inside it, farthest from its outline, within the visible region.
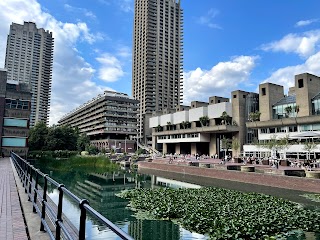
(11, 122)
(234, 96)
(293, 129)
(263, 90)
(300, 83)
(218, 101)
(13, 142)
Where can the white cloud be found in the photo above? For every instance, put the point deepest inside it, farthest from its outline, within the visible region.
(220, 80)
(110, 69)
(125, 5)
(72, 83)
(285, 76)
(304, 44)
(77, 10)
(124, 52)
(208, 17)
(303, 23)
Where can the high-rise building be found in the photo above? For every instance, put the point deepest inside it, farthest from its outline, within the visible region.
(29, 58)
(157, 59)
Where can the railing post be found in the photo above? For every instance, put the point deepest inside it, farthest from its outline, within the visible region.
(25, 177)
(35, 190)
(59, 213)
(44, 199)
(83, 216)
(30, 182)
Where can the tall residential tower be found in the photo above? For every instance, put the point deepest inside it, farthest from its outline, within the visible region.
(29, 58)
(157, 59)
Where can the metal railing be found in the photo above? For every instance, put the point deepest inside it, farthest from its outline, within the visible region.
(50, 213)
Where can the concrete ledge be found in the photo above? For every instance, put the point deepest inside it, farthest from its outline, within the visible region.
(279, 181)
(313, 174)
(204, 165)
(247, 168)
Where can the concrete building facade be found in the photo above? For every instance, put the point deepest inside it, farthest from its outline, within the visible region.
(184, 132)
(293, 117)
(157, 59)
(253, 121)
(110, 120)
(15, 105)
(29, 59)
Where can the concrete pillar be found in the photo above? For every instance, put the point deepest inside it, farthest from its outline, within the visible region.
(213, 145)
(164, 148)
(154, 139)
(178, 151)
(193, 148)
(193, 124)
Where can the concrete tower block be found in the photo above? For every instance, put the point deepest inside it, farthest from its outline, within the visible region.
(306, 87)
(269, 94)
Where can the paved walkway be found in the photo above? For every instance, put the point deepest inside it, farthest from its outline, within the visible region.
(12, 226)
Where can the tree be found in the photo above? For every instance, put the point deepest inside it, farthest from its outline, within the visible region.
(226, 118)
(309, 146)
(288, 111)
(225, 144)
(92, 150)
(62, 138)
(82, 142)
(235, 145)
(204, 121)
(38, 136)
(159, 128)
(274, 144)
(184, 124)
(254, 116)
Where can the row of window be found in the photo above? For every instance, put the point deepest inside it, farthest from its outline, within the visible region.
(179, 136)
(302, 128)
(17, 104)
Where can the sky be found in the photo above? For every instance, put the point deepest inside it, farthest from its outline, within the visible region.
(228, 45)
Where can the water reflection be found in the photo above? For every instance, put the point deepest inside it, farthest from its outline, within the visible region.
(100, 190)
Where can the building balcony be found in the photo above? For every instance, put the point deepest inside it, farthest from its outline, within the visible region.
(208, 129)
(284, 122)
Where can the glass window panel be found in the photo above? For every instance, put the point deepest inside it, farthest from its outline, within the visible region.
(11, 122)
(14, 142)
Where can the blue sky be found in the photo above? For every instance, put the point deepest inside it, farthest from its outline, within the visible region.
(228, 45)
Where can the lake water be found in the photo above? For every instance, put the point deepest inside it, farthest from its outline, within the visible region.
(101, 192)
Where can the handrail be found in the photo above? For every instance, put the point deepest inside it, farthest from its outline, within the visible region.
(37, 194)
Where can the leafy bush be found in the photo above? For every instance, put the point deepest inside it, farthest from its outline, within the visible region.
(225, 214)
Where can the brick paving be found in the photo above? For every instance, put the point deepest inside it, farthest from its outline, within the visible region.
(12, 226)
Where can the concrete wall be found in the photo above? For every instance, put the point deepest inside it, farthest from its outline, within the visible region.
(179, 117)
(216, 110)
(269, 94)
(306, 87)
(239, 116)
(196, 113)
